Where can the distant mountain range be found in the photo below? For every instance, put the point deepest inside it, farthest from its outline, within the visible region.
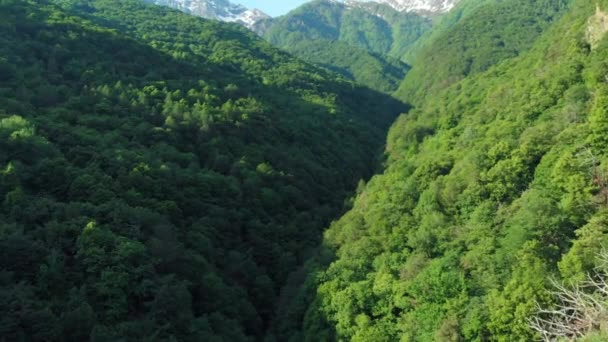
(417, 6)
(365, 41)
(225, 10)
(222, 10)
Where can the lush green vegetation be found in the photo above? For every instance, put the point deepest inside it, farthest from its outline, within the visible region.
(378, 72)
(366, 43)
(493, 185)
(443, 23)
(161, 175)
(167, 178)
(374, 27)
(474, 37)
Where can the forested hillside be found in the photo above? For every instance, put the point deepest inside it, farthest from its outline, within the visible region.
(375, 27)
(444, 23)
(476, 36)
(168, 178)
(494, 185)
(376, 71)
(364, 42)
(160, 174)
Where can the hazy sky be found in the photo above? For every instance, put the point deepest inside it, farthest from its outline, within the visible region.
(272, 7)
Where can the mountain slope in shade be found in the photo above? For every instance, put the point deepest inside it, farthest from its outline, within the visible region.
(164, 173)
(222, 10)
(376, 71)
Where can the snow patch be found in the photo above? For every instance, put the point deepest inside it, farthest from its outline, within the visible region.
(222, 10)
(419, 6)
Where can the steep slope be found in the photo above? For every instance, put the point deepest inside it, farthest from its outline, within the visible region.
(444, 24)
(493, 186)
(348, 39)
(222, 10)
(478, 35)
(160, 174)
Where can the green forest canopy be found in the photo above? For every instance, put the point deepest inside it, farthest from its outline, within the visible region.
(164, 178)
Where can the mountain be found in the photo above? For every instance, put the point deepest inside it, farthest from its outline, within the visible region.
(222, 10)
(161, 175)
(417, 6)
(365, 43)
(372, 26)
(164, 177)
(257, 20)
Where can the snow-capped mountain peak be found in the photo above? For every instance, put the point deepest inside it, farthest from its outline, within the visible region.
(419, 6)
(222, 10)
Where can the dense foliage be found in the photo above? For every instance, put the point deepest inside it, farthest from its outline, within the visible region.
(493, 186)
(476, 36)
(444, 23)
(378, 72)
(167, 178)
(160, 175)
(365, 42)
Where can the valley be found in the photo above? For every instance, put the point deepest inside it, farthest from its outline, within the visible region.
(394, 170)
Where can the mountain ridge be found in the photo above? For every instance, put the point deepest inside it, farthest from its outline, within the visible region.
(222, 10)
(365, 42)
(374, 26)
(416, 6)
(256, 20)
